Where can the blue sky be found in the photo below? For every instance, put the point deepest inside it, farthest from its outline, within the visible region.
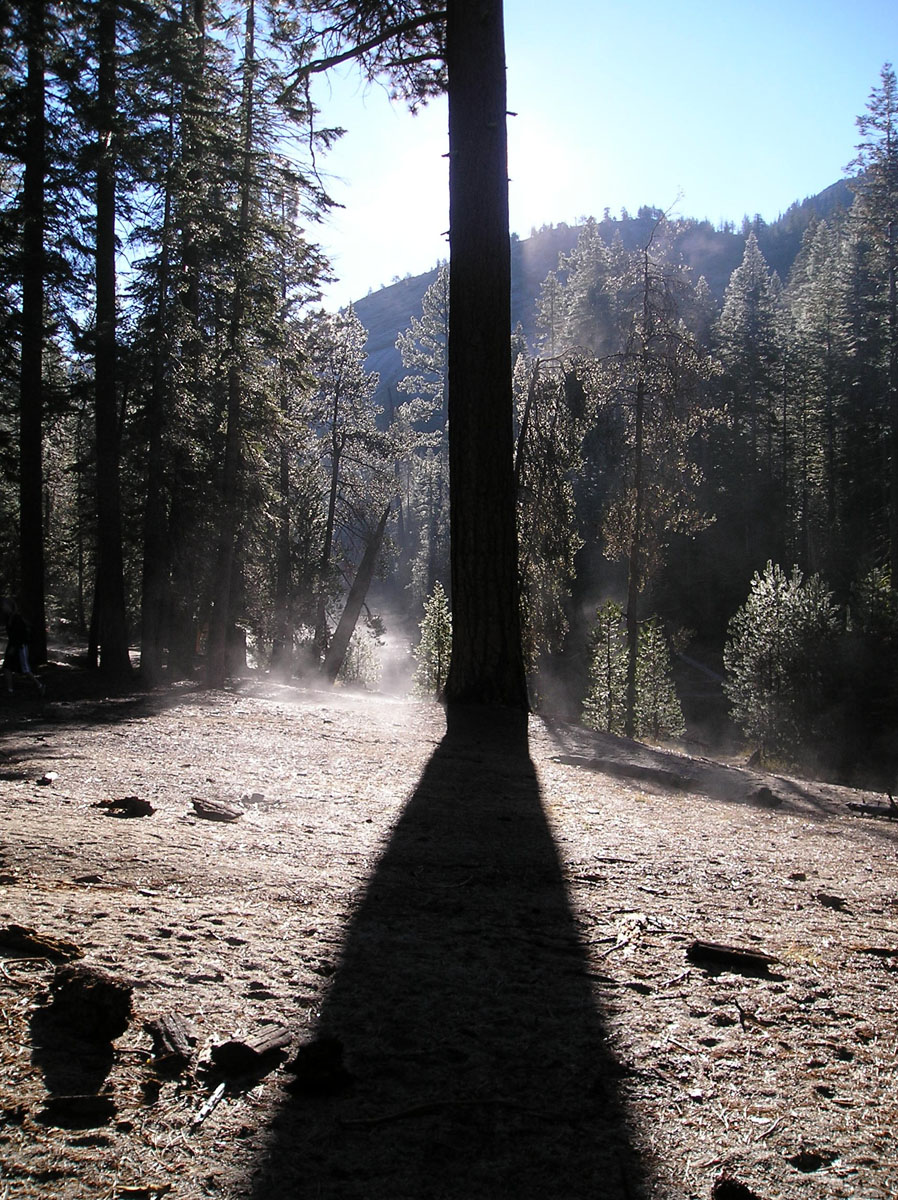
(716, 108)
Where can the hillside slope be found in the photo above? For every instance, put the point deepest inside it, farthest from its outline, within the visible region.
(709, 251)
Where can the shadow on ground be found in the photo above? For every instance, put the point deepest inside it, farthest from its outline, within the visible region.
(479, 1061)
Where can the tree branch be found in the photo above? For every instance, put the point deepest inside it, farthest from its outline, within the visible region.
(318, 65)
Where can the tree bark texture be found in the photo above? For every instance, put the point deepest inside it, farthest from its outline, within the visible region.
(31, 528)
(487, 666)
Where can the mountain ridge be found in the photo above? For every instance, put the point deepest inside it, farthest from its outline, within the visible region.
(711, 251)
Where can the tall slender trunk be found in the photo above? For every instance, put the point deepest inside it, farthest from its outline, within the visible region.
(634, 564)
(156, 551)
(31, 526)
(337, 442)
(282, 643)
(229, 521)
(110, 589)
(487, 664)
(892, 252)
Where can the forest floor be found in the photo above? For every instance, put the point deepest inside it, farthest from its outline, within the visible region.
(479, 951)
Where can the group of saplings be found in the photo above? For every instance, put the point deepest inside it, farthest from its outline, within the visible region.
(808, 681)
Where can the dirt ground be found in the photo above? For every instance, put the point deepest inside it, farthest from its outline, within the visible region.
(479, 949)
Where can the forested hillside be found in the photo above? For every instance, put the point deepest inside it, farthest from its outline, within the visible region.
(713, 252)
(203, 468)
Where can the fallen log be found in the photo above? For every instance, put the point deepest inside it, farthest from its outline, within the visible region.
(663, 776)
(876, 810)
(24, 940)
(240, 1056)
(716, 955)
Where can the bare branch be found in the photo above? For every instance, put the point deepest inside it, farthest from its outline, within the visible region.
(359, 51)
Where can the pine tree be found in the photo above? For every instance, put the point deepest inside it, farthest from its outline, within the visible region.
(605, 706)
(425, 468)
(876, 212)
(434, 650)
(779, 660)
(658, 710)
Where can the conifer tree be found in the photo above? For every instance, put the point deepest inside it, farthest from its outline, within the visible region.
(434, 650)
(876, 212)
(780, 658)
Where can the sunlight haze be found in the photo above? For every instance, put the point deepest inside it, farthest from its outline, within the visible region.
(715, 109)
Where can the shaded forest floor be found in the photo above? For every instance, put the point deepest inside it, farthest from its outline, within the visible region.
(478, 950)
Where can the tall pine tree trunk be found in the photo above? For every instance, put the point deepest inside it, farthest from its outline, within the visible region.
(31, 528)
(229, 517)
(110, 588)
(156, 551)
(487, 664)
(282, 643)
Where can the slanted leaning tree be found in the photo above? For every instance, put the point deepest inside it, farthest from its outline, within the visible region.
(462, 48)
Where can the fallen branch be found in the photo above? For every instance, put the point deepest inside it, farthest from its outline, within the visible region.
(210, 1105)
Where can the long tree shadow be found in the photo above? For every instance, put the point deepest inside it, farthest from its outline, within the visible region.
(479, 1061)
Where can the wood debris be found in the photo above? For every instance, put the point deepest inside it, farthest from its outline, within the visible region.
(210, 1105)
(126, 806)
(240, 1056)
(24, 940)
(216, 810)
(717, 956)
(174, 1041)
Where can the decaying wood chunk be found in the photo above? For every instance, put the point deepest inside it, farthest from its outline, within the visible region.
(717, 955)
(92, 1003)
(174, 1040)
(239, 1056)
(216, 810)
(126, 806)
(41, 945)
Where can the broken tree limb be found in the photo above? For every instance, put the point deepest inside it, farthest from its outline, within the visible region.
(210, 1105)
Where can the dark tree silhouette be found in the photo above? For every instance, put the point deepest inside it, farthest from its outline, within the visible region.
(462, 48)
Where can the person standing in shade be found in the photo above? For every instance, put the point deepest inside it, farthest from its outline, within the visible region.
(16, 657)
